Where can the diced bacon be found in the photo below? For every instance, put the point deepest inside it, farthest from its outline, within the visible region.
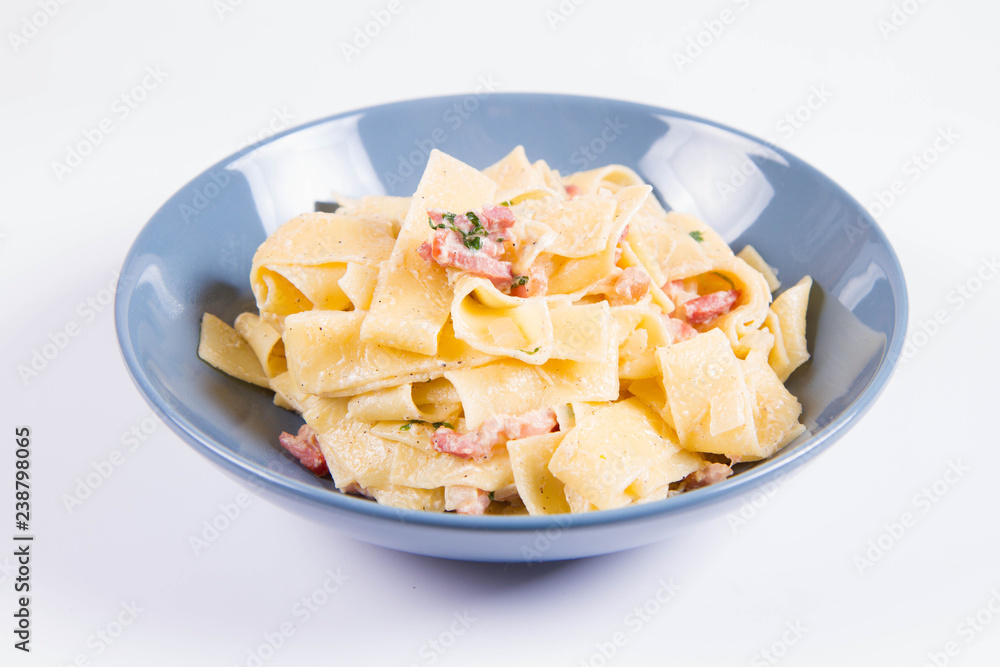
(536, 422)
(448, 246)
(506, 494)
(537, 285)
(447, 249)
(632, 284)
(618, 246)
(305, 447)
(479, 444)
(498, 272)
(709, 307)
(572, 191)
(472, 445)
(621, 237)
(678, 330)
(710, 474)
(497, 218)
(678, 295)
(357, 490)
(466, 499)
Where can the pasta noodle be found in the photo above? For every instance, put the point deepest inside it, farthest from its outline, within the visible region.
(513, 341)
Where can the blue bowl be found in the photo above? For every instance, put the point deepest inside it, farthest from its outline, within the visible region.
(194, 256)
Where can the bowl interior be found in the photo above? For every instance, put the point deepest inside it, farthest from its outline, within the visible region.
(194, 256)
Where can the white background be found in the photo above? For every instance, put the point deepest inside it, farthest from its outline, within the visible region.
(806, 557)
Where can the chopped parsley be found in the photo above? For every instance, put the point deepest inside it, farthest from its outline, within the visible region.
(724, 277)
(473, 240)
(696, 235)
(532, 352)
(407, 425)
(520, 280)
(491, 496)
(505, 203)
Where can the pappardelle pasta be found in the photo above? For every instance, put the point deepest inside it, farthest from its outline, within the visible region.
(512, 341)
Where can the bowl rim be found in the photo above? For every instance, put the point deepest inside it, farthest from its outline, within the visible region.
(737, 485)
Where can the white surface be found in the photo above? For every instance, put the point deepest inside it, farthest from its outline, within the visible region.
(793, 561)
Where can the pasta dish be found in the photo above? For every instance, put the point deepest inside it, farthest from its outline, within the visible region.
(513, 341)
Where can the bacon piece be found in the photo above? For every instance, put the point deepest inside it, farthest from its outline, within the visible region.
(621, 237)
(466, 499)
(708, 307)
(479, 444)
(572, 191)
(357, 490)
(305, 447)
(678, 295)
(536, 422)
(710, 474)
(618, 248)
(632, 284)
(448, 249)
(537, 285)
(472, 445)
(678, 329)
(497, 218)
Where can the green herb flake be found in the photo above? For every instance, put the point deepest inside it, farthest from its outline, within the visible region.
(505, 203)
(445, 424)
(406, 427)
(491, 496)
(724, 277)
(520, 280)
(531, 352)
(696, 235)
